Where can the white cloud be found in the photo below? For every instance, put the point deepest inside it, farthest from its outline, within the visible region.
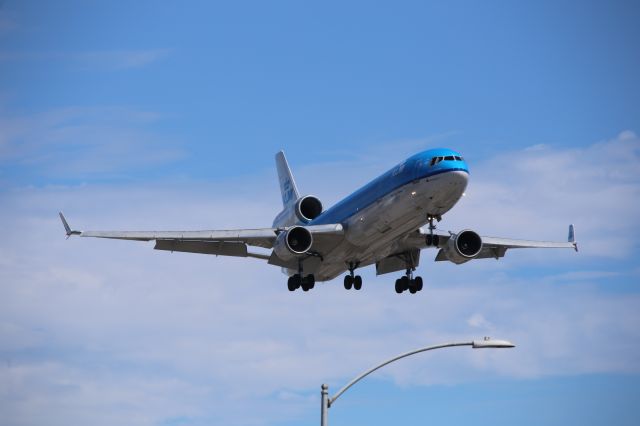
(479, 321)
(106, 331)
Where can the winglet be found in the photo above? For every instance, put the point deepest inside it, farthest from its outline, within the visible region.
(572, 237)
(67, 228)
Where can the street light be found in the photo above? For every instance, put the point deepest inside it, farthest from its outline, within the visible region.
(326, 401)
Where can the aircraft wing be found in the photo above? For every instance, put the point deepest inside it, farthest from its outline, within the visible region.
(216, 242)
(492, 247)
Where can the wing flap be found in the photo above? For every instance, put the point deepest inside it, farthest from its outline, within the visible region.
(398, 262)
(218, 248)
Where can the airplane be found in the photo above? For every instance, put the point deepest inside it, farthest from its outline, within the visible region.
(380, 224)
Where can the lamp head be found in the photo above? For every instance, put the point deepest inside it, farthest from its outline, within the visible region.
(488, 342)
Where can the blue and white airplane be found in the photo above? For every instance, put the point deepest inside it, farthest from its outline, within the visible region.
(378, 224)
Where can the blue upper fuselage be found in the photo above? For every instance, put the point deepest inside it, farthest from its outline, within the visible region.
(419, 166)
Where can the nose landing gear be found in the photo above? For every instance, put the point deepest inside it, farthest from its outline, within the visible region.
(432, 240)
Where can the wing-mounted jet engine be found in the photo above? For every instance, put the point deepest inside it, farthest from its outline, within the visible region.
(293, 243)
(463, 246)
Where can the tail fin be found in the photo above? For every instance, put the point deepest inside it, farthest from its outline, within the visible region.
(288, 187)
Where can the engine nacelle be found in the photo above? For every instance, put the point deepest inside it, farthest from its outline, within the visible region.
(308, 208)
(463, 247)
(303, 211)
(292, 243)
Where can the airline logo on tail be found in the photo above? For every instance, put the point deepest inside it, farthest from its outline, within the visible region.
(288, 187)
(288, 195)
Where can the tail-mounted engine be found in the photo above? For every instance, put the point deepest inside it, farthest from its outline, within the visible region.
(464, 246)
(292, 243)
(303, 211)
(308, 208)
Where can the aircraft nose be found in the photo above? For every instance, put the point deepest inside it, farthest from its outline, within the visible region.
(459, 178)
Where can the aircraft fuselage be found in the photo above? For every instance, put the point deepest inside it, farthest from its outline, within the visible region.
(397, 202)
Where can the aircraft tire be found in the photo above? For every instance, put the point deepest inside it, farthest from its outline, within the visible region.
(291, 284)
(311, 281)
(399, 286)
(348, 282)
(419, 283)
(405, 283)
(412, 287)
(357, 282)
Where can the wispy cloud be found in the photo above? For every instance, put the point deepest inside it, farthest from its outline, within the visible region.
(84, 142)
(111, 60)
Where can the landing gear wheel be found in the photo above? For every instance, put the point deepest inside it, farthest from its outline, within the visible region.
(291, 285)
(399, 288)
(404, 282)
(357, 282)
(311, 281)
(418, 283)
(412, 287)
(436, 241)
(348, 282)
(294, 282)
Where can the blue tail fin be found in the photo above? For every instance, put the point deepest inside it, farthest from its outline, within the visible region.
(288, 187)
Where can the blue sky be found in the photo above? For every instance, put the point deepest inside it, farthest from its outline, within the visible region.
(167, 116)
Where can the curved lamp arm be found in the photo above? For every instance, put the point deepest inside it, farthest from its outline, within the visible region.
(486, 343)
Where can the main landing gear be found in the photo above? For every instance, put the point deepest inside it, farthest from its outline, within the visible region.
(298, 281)
(352, 280)
(408, 282)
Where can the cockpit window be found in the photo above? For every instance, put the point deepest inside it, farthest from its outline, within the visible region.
(436, 160)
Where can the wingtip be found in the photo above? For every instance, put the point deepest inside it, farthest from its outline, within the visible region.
(69, 232)
(572, 237)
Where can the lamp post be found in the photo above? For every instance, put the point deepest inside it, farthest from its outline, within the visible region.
(326, 401)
